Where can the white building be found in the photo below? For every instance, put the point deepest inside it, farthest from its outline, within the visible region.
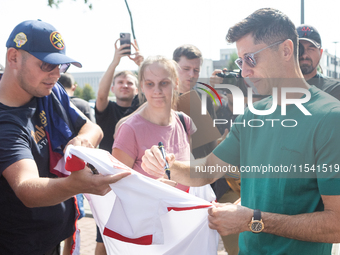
(226, 53)
(327, 64)
(207, 68)
(91, 78)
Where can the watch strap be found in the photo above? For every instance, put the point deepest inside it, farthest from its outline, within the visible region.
(257, 214)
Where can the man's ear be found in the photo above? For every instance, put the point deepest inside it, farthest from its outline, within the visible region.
(321, 51)
(288, 49)
(74, 86)
(12, 58)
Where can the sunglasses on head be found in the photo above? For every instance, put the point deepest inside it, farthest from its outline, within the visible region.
(46, 67)
(250, 59)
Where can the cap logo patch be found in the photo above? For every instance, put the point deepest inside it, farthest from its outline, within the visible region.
(20, 39)
(57, 41)
(305, 29)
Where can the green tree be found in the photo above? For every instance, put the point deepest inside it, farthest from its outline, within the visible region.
(56, 3)
(78, 92)
(231, 64)
(88, 92)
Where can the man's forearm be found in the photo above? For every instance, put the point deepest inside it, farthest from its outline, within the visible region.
(92, 132)
(35, 191)
(39, 192)
(311, 227)
(104, 87)
(180, 172)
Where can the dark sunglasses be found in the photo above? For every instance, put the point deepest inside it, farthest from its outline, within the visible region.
(249, 57)
(0, 76)
(46, 67)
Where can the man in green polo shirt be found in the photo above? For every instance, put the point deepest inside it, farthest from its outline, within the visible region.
(289, 157)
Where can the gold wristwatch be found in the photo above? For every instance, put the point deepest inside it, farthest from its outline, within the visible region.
(256, 224)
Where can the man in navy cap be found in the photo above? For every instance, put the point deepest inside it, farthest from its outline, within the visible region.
(310, 53)
(37, 123)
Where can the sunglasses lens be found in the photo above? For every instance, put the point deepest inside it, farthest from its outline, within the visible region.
(0, 76)
(63, 68)
(238, 62)
(250, 61)
(46, 67)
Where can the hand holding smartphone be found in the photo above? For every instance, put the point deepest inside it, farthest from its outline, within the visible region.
(125, 39)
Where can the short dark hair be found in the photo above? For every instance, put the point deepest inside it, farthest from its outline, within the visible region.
(267, 26)
(66, 80)
(124, 74)
(187, 50)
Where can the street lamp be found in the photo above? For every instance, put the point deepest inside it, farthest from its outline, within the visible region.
(335, 62)
(302, 12)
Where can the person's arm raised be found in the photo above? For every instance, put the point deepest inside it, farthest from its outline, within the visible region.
(107, 79)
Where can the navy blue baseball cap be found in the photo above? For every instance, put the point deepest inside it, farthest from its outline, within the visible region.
(41, 40)
(310, 34)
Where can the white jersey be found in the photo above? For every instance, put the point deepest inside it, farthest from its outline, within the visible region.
(144, 216)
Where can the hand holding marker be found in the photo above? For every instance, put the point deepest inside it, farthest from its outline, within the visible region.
(166, 167)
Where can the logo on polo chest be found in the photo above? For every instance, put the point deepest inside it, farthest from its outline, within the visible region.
(57, 41)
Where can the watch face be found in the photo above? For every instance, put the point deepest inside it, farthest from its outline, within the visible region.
(256, 226)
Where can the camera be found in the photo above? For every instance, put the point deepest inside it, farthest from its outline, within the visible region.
(228, 74)
(229, 77)
(236, 79)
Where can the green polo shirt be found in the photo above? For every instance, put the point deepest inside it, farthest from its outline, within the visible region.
(301, 163)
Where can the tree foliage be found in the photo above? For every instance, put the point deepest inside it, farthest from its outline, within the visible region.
(78, 92)
(56, 3)
(88, 92)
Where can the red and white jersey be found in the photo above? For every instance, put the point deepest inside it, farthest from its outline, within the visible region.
(144, 216)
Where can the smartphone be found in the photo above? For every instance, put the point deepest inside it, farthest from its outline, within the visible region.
(125, 39)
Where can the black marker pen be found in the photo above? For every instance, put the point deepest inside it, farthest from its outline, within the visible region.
(166, 167)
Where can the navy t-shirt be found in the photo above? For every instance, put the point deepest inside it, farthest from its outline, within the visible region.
(107, 121)
(28, 230)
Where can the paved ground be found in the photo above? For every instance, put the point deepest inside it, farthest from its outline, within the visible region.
(87, 228)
